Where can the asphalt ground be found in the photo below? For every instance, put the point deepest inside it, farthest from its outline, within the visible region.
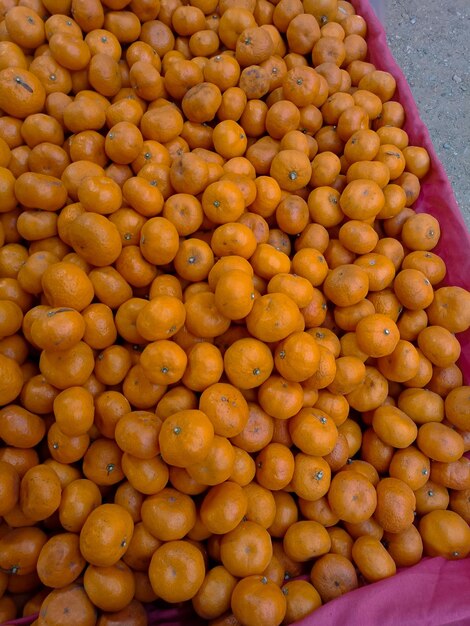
(430, 41)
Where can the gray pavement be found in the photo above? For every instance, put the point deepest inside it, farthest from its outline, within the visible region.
(430, 41)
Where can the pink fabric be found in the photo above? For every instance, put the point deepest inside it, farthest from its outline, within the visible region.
(435, 592)
(23, 621)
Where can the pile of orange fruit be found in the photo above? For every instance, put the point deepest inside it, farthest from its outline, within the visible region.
(228, 354)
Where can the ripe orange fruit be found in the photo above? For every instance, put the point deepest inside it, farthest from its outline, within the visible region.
(182, 559)
(275, 466)
(457, 408)
(248, 363)
(445, 533)
(406, 547)
(440, 443)
(9, 487)
(313, 432)
(40, 492)
(449, 309)
(246, 550)
(97, 544)
(213, 598)
(168, 515)
(312, 476)
(377, 335)
(372, 559)
(352, 497)
(395, 505)
(22, 92)
(226, 407)
(305, 540)
(256, 600)
(346, 285)
(185, 437)
(394, 427)
(20, 549)
(273, 317)
(223, 507)
(78, 499)
(66, 285)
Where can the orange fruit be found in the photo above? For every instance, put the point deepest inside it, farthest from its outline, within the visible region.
(395, 505)
(248, 363)
(226, 407)
(305, 540)
(275, 466)
(449, 309)
(70, 598)
(280, 398)
(66, 285)
(313, 432)
(223, 507)
(182, 559)
(213, 597)
(185, 437)
(9, 486)
(21, 548)
(22, 92)
(218, 464)
(457, 407)
(372, 559)
(40, 492)
(445, 534)
(246, 550)
(406, 547)
(352, 497)
(439, 442)
(168, 515)
(394, 427)
(346, 285)
(333, 575)
(273, 317)
(256, 600)
(60, 561)
(97, 545)
(312, 476)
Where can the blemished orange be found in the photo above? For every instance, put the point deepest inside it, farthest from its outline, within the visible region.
(333, 575)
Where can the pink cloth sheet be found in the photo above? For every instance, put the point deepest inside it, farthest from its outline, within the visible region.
(435, 592)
